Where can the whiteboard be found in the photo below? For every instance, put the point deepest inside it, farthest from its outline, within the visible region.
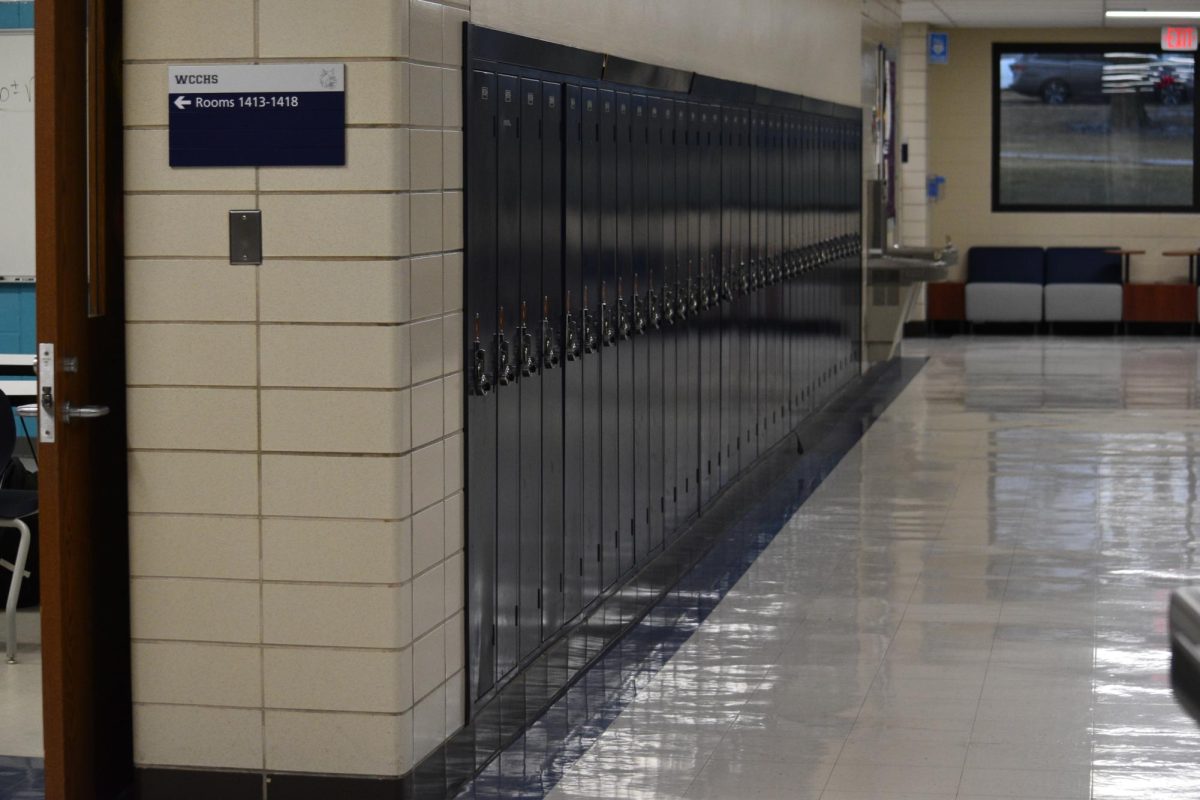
(16, 156)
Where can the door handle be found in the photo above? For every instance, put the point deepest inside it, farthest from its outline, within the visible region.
(71, 412)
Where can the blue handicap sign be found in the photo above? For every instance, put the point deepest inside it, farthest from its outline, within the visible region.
(939, 48)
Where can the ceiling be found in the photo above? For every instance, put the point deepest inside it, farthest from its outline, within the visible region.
(1034, 13)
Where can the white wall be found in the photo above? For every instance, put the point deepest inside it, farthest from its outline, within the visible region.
(809, 47)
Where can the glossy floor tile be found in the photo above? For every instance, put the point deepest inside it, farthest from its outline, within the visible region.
(21, 747)
(971, 605)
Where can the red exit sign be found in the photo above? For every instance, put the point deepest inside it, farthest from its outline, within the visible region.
(1175, 37)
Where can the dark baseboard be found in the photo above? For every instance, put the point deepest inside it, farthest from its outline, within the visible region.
(153, 783)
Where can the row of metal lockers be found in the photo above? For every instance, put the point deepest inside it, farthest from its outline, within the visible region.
(658, 289)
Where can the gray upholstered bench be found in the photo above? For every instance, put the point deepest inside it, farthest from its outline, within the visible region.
(1004, 284)
(1083, 284)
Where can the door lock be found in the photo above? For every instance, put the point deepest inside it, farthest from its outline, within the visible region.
(47, 422)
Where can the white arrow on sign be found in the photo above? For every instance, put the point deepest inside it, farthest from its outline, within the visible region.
(181, 104)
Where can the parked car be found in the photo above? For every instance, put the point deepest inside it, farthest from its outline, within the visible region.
(1058, 78)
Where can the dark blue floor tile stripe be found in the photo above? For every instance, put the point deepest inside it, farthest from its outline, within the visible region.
(537, 760)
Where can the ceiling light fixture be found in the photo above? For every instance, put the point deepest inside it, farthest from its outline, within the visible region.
(1152, 14)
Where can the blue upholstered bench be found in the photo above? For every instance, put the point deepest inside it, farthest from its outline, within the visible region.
(1083, 284)
(1004, 284)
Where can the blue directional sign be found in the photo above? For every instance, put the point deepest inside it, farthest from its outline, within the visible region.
(939, 48)
(260, 115)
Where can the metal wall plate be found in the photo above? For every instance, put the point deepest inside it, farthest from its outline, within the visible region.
(245, 237)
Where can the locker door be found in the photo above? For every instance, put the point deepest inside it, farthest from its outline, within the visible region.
(828, 164)
(778, 362)
(691, 488)
(726, 424)
(550, 354)
(572, 355)
(768, 292)
(640, 340)
(786, 285)
(670, 337)
(795, 249)
(741, 182)
(702, 322)
(742, 288)
(811, 186)
(508, 398)
(760, 240)
(714, 459)
(783, 389)
(683, 450)
(609, 376)
(593, 523)
(480, 413)
(624, 345)
(710, 329)
(655, 252)
(855, 277)
(529, 378)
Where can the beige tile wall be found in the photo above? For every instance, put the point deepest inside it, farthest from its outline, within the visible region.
(913, 73)
(914, 131)
(960, 127)
(295, 428)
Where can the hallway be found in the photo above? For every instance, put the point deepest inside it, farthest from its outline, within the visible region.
(971, 605)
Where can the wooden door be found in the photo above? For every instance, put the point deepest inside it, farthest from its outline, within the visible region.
(84, 544)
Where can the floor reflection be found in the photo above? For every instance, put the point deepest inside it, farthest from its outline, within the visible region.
(971, 605)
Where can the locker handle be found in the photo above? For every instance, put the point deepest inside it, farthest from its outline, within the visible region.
(639, 315)
(668, 306)
(655, 311)
(622, 325)
(589, 332)
(481, 382)
(550, 354)
(528, 362)
(504, 366)
(527, 358)
(570, 338)
(607, 335)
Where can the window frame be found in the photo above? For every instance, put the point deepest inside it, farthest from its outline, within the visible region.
(1001, 49)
